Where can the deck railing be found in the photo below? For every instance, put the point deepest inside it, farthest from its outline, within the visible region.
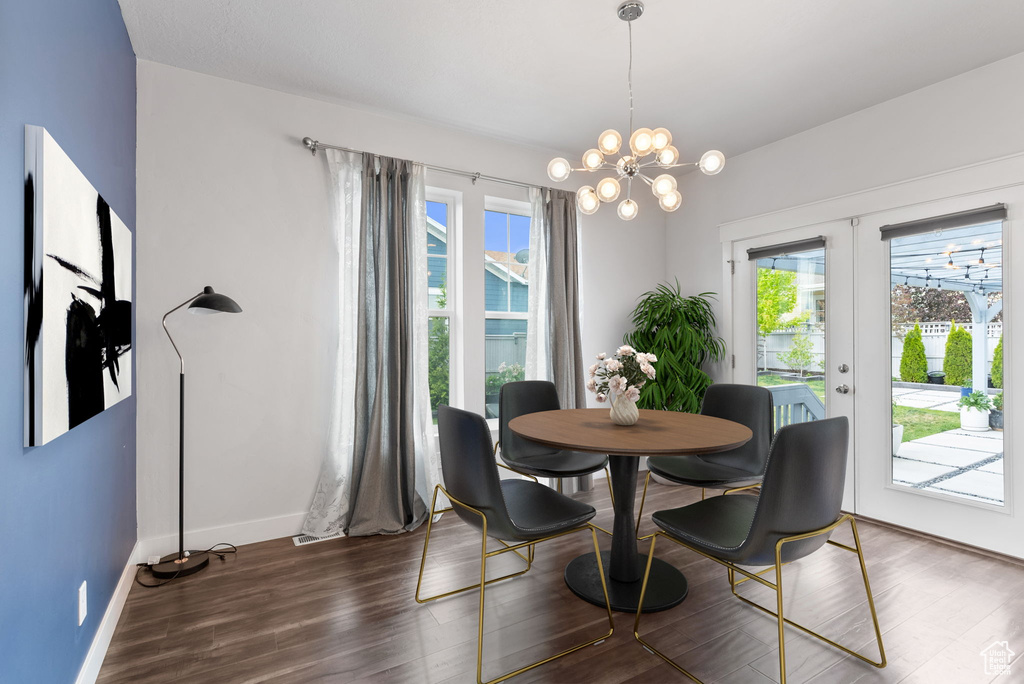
(796, 403)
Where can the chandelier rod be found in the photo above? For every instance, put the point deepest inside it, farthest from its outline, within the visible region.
(629, 77)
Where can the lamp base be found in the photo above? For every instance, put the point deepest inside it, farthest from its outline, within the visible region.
(169, 566)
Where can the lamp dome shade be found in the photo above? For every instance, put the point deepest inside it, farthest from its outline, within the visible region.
(211, 302)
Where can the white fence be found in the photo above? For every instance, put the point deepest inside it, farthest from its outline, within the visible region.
(507, 349)
(932, 334)
(780, 343)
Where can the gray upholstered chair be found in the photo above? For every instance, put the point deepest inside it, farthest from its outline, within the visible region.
(522, 455)
(740, 468)
(794, 516)
(517, 513)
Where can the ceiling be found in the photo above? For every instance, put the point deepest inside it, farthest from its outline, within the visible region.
(727, 74)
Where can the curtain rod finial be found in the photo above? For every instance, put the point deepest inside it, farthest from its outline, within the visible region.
(311, 144)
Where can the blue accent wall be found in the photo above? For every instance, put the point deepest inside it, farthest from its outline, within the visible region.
(67, 509)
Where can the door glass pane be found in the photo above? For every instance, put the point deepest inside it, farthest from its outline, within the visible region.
(946, 296)
(437, 255)
(791, 334)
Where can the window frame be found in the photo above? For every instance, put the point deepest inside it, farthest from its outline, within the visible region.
(452, 199)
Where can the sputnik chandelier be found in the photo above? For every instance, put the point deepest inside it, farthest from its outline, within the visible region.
(632, 163)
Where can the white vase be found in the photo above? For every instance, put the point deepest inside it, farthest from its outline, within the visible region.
(973, 419)
(897, 438)
(624, 411)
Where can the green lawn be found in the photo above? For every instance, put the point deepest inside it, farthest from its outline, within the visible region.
(817, 386)
(918, 423)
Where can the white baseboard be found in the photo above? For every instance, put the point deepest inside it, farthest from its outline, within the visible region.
(98, 649)
(248, 532)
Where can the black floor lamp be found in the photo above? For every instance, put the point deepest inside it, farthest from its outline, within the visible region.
(178, 564)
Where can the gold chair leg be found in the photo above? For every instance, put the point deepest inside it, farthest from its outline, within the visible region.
(643, 498)
(426, 544)
(639, 612)
(480, 623)
(777, 587)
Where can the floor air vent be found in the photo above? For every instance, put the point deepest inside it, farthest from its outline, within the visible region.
(304, 539)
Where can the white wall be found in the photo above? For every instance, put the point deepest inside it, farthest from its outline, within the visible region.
(971, 118)
(229, 198)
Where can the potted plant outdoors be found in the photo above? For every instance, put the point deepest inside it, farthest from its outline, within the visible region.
(995, 416)
(974, 411)
(680, 332)
(897, 430)
(937, 377)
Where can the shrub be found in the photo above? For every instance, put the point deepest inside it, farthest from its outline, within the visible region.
(957, 362)
(913, 362)
(997, 401)
(997, 364)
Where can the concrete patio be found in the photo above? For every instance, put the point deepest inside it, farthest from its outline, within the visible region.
(957, 462)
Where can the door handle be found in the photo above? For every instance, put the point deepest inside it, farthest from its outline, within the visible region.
(843, 389)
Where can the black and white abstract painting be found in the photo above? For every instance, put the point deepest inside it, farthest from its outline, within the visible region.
(78, 286)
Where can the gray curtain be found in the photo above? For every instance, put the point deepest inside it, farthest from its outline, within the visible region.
(563, 283)
(383, 486)
(564, 297)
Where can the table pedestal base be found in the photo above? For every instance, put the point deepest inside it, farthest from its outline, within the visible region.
(665, 589)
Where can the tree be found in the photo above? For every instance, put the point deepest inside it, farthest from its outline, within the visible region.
(913, 362)
(776, 299)
(958, 360)
(997, 364)
(799, 355)
(438, 354)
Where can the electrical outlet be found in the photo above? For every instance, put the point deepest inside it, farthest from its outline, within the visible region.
(153, 560)
(83, 604)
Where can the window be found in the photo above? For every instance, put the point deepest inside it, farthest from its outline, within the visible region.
(506, 296)
(439, 285)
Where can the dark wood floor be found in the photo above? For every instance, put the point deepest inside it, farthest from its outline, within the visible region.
(343, 611)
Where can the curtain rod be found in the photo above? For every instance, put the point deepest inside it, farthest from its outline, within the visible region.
(314, 145)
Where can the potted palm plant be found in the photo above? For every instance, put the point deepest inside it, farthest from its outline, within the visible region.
(680, 332)
(974, 411)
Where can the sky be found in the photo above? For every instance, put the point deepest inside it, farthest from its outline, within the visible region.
(502, 232)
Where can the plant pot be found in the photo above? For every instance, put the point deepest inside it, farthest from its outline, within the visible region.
(995, 419)
(897, 438)
(966, 391)
(973, 419)
(937, 378)
(624, 411)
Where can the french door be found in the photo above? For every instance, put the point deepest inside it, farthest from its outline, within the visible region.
(792, 324)
(833, 318)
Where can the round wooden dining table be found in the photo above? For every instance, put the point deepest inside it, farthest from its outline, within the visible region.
(657, 433)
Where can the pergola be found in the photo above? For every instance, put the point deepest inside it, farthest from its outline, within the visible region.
(967, 260)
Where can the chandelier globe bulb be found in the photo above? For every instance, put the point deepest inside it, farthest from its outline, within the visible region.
(608, 189)
(559, 169)
(586, 200)
(668, 156)
(609, 142)
(661, 139)
(712, 162)
(663, 184)
(671, 201)
(642, 142)
(627, 210)
(593, 159)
